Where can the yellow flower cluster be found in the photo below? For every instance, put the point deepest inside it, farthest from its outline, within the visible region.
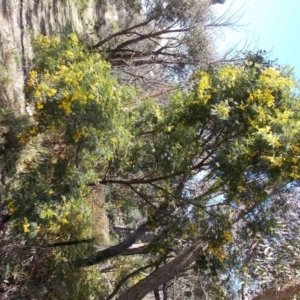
(65, 211)
(31, 79)
(39, 104)
(78, 135)
(227, 236)
(34, 130)
(158, 113)
(275, 160)
(222, 110)
(295, 172)
(10, 206)
(73, 38)
(51, 92)
(42, 90)
(268, 136)
(26, 225)
(65, 105)
(260, 96)
(69, 54)
(42, 41)
(67, 82)
(273, 78)
(229, 74)
(217, 252)
(216, 249)
(78, 95)
(203, 85)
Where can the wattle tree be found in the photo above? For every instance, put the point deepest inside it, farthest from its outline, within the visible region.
(189, 178)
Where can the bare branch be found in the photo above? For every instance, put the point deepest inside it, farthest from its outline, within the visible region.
(122, 32)
(113, 251)
(149, 35)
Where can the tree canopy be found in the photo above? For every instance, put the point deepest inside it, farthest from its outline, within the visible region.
(195, 182)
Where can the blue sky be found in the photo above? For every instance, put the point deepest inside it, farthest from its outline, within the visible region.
(271, 25)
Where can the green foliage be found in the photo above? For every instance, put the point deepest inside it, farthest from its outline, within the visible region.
(78, 125)
(11, 128)
(79, 115)
(225, 141)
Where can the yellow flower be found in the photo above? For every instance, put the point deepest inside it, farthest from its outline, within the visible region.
(73, 38)
(227, 236)
(10, 206)
(33, 130)
(33, 74)
(295, 160)
(240, 188)
(203, 85)
(222, 110)
(66, 106)
(39, 104)
(26, 225)
(158, 113)
(113, 140)
(37, 94)
(66, 94)
(31, 78)
(51, 92)
(76, 136)
(69, 54)
(55, 40)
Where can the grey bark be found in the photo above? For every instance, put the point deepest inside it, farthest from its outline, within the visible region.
(163, 274)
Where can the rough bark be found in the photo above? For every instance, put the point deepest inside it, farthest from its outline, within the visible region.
(285, 292)
(163, 274)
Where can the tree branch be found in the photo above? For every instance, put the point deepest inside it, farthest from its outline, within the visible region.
(147, 36)
(112, 251)
(68, 243)
(122, 32)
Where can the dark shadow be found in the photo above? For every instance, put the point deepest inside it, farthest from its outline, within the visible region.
(43, 26)
(36, 6)
(28, 18)
(4, 8)
(101, 8)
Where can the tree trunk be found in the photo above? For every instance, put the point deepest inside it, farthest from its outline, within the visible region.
(163, 274)
(171, 269)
